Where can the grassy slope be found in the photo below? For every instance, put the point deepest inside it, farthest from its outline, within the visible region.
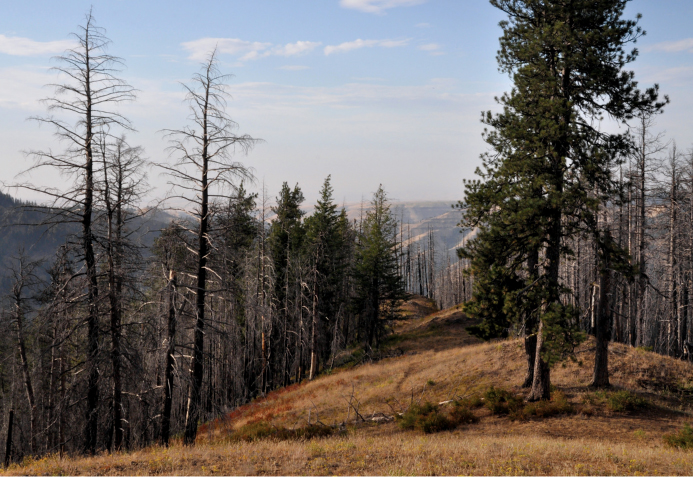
(436, 360)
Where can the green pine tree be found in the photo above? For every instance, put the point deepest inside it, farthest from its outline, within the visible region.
(326, 247)
(550, 166)
(379, 286)
(286, 237)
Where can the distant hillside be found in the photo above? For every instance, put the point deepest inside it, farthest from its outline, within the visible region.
(40, 242)
(420, 217)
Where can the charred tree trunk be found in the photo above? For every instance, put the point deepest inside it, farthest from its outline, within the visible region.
(673, 321)
(28, 385)
(8, 441)
(170, 360)
(601, 357)
(314, 327)
(197, 365)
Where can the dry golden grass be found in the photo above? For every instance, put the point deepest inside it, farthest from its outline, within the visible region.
(384, 451)
(440, 362)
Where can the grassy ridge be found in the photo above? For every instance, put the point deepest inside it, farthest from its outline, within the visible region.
(622, 431)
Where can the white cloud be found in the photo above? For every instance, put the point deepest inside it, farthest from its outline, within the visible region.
(18, 46)
(250, 50)
(378, 6)
(350, 45)
(294, 67)
(200, 49)
(393, 43)
(359, 43)
(22, 88)
(295, 49)
(423, 25)
(368, 78)
(429, 47)
(433, 49)
(673, 46)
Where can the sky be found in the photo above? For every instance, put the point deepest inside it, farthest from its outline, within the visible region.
(368, 91)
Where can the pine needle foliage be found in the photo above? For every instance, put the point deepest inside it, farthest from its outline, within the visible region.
(548, 170)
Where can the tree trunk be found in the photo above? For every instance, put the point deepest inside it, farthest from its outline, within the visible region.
(197, 364)
(28, 386)
(530, 323)
(638, 337)
(541, 385)
(601, 357)
(90, 262)
(170, 360)
(8, 442)
(63, 397)
(114, 303)
(531, 354)
(673, 321)
(314, 330)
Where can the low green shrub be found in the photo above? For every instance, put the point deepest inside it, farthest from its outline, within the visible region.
(473, 402)
(429, 418)
(625, 401)
(462, 414)
(426, 417)
(500, 401)
(615, 401)
(682, 439)
(556, 406)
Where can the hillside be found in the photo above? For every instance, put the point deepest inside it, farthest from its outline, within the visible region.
(41, 242)
(431, 357)
(420, 217)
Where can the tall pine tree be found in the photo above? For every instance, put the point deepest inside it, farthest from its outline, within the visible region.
(379, 286)
(549, 170)
(325, 248)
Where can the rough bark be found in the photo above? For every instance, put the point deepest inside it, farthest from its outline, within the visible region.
(197, 364)
(530, 323)
(541, 384)
(530, 354)
(601, 358)
(314, 328)
(8, 441)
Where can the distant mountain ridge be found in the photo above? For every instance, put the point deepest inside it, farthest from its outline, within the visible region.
(41, 242)
(418, 218)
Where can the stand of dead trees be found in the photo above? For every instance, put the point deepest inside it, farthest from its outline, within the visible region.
(114, 344)
(286, 296)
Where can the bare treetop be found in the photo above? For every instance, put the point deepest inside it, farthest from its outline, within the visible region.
(204, 149)
(90, 79)
(84, 105)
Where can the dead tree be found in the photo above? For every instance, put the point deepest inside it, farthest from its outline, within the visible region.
(24, 278)
(648, 146)
(85, 104)
(120, 188)
(673, 321)
(204, 164)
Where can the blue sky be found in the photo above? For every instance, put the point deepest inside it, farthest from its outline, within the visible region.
(370, 91)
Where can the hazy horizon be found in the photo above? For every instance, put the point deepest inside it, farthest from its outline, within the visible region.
(369, 91)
